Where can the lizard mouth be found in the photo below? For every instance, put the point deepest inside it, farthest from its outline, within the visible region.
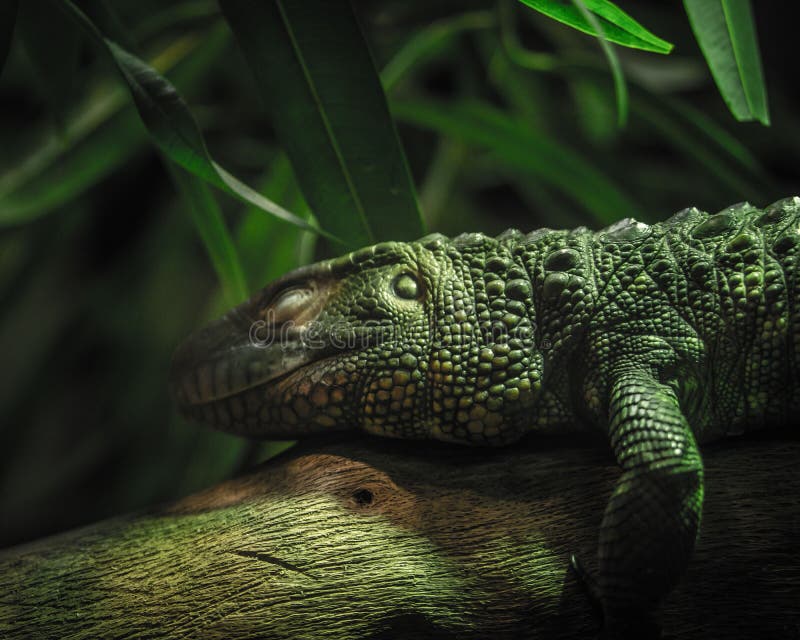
(258, 410)
(241, 375)
(201, 375)
(235, 354)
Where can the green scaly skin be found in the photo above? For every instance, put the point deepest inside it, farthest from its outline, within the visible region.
(658, 336)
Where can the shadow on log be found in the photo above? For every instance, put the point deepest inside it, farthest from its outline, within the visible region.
(379, 539)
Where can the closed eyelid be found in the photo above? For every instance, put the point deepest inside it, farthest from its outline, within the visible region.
(407, 285)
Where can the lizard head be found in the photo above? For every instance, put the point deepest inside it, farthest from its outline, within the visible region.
(384, 339)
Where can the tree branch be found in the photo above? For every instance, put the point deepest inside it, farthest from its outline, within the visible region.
(382, 539)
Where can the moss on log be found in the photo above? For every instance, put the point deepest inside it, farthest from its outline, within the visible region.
(378, 539)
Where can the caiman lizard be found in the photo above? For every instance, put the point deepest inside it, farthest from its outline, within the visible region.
(659, 337)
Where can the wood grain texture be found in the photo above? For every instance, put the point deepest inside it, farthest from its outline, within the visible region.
(378, 539)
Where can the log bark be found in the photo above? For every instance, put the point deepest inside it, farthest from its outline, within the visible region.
(379, 539)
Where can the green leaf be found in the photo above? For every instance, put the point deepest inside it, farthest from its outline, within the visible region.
(727, 36)
(255, 231)
(594, 111)
(617, 25)
(8, 18)
(513, 48)
(620, 89)
(102, 134)
(315, 72)
(171, 125)
(209, 222)
(440, 178)
(524, 149)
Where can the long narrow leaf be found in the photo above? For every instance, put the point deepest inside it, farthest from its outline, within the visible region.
(210, 224)
(171, 124)
(727, 37)
(620, 89)
(523, 149)
(618, 26)
(103, 133)
(695, 145)
(255, 231)
(513, 48)
(314, 70)
(8, 18)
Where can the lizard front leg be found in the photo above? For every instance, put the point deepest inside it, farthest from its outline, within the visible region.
(650, 523)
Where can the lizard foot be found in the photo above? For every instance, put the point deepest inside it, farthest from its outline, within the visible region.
(620, 625)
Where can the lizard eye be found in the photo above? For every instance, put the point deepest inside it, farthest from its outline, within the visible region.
(406, 286)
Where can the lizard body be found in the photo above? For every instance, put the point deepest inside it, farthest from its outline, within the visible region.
(659, 337)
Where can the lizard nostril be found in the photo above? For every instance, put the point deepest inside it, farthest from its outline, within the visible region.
(363, 497)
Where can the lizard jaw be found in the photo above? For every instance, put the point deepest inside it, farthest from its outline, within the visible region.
(200, 377)
(259, 370)
(281, 407)
(254, 343)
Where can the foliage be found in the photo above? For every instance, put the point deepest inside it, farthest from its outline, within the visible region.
(727, 36)
(351, 122)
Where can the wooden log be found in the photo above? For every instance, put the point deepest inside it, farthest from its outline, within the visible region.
(379, 539)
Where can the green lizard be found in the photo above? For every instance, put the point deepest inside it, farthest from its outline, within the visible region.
(659, 337)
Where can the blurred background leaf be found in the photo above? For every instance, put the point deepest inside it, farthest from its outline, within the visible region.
(506, 117)
(521, 148)
(208, 220)
(620, 88)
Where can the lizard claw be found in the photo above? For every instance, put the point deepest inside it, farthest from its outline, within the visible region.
(588, 582)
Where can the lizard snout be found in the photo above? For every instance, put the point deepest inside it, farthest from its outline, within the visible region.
(243, 349)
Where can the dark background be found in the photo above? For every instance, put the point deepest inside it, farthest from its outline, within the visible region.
(106, 273)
